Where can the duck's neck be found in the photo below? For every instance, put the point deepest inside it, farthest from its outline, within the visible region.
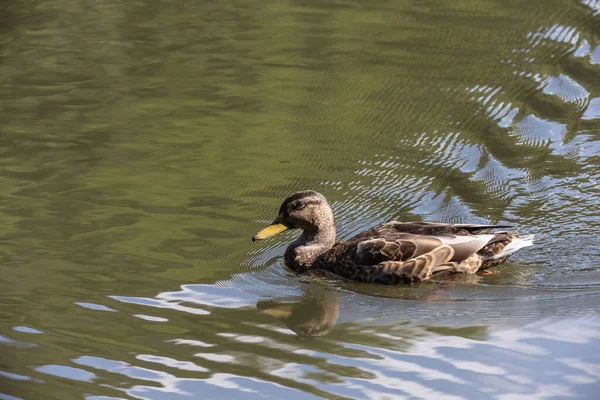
(306, 249)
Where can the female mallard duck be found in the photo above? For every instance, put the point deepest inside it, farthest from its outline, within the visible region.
(389, 253)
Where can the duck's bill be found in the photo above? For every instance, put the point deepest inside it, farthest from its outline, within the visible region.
(270, 231)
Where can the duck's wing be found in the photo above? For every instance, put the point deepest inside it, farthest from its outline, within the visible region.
(375, 251)
(414, 270)
(391, 263)
(396, 241)
(434, 228)
(405, 246)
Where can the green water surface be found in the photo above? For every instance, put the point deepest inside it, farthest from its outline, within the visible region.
(143, 143)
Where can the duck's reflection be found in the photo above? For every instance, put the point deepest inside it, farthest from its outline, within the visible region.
(314, 314)
(317, 310)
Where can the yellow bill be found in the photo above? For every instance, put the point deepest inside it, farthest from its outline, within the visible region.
(271, 230)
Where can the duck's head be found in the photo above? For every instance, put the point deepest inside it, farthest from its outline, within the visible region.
(307, 210)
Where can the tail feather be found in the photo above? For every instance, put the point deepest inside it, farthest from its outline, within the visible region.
(516, 244)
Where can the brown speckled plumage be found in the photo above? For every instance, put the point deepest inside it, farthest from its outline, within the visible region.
(389, 253)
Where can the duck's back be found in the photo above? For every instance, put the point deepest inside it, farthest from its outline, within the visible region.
(367, 253)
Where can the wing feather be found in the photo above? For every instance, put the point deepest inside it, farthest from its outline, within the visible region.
(374, 251)
(413, 270)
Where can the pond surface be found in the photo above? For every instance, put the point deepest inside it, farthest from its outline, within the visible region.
(143, 143)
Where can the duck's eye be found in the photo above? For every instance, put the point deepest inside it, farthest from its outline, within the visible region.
(299, 205)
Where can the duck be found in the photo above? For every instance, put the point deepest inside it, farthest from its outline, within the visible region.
(389, 253)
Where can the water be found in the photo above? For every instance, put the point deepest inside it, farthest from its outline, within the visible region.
(144, 143)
